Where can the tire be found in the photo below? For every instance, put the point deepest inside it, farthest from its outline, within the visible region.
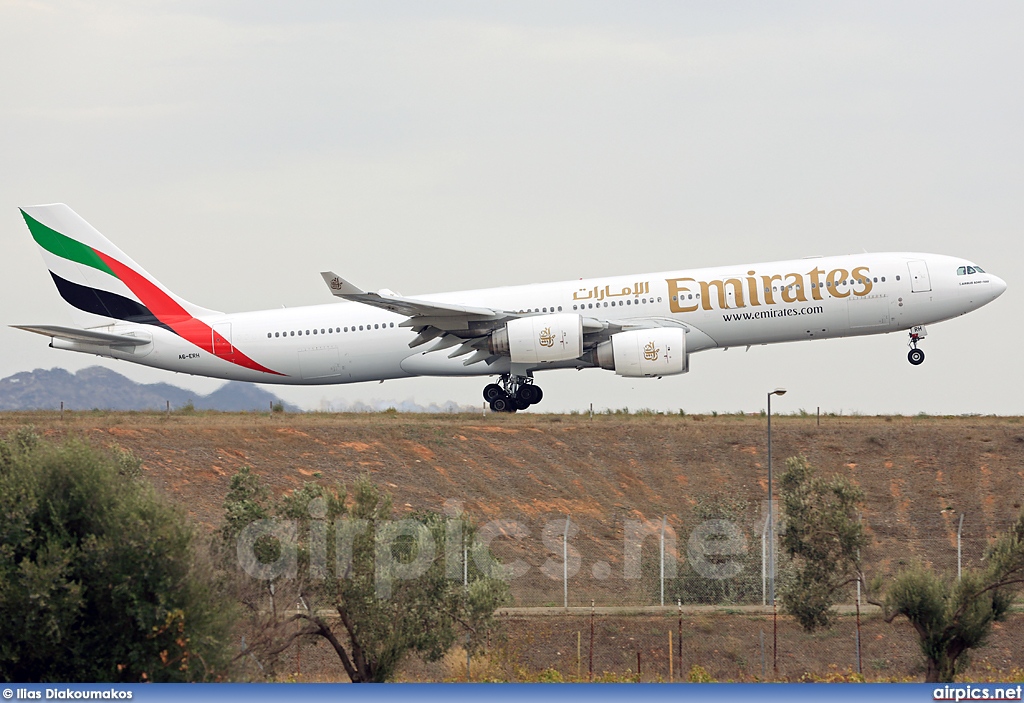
(915, 357)
(528, 395)
(522, 404)
(501, 404)
(492, 391)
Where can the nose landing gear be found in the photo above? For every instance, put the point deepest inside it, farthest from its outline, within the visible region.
(512, 393)
(915, 356)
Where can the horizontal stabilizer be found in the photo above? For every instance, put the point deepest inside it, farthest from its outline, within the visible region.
(73, 334)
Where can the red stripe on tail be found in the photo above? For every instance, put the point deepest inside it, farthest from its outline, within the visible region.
(178, 319)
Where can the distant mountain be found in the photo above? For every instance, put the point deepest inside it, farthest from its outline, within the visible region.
(101, 388)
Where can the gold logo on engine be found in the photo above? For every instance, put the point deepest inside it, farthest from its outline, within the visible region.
(651, 352)
(546, 338)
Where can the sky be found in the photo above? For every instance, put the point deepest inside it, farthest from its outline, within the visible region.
(236, 149)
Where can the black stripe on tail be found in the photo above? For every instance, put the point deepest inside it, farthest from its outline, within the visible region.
(105, 303)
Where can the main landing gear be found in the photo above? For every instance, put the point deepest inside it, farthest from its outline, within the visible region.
(512, 393)
(915, 356)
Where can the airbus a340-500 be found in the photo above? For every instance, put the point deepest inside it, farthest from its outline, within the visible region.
(639, 326)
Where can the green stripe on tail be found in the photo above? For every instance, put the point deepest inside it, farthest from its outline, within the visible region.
(64, 247)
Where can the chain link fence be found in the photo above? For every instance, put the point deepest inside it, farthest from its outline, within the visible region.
(661, 600)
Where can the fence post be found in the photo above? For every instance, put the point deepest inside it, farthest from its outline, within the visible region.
(565, 564)
(860, 670)
(591, 640)
(670, 676)
(764, 568)
(679, 602)
(959, 531)
(664, 519)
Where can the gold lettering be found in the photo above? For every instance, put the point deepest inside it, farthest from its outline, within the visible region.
(816, 282)
(794, 290)
(676, 293)
(834, 277)
(769, 295)
(723, 302)
(859, 272)
(752, 288)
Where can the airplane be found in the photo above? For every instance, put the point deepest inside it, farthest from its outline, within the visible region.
(637, 326)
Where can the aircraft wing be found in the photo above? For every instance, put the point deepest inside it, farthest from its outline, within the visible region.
(73, 334)
(463, 325)
(404, 306)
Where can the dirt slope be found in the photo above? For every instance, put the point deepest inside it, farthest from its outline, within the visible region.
(918, 474)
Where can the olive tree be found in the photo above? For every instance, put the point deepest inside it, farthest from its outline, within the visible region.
(951, 616)
(343, 570)
(100, 579)
(823, 537)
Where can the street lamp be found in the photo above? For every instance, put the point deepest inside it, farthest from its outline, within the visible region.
(771, 518)
(771, 541)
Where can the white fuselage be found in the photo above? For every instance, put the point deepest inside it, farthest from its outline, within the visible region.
(765, 303)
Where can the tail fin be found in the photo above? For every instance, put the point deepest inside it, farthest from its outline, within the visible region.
(99, 281)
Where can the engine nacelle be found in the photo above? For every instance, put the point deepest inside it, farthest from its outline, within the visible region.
(532, 340)
(660, 351)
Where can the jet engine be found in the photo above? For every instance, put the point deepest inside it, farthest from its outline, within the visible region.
(540, 338)
(659, 351)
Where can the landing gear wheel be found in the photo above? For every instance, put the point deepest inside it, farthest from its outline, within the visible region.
(502, 404)
(521, 404)
(492, 391)
(529, 395)
(915, 357)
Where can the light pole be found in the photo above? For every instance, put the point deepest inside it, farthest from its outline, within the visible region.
(771, 518)
(771, 541)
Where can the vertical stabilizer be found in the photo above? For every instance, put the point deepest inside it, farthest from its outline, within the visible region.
(100, 282)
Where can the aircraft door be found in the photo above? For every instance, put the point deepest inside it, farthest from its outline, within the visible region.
(920, 281)
(222, 340)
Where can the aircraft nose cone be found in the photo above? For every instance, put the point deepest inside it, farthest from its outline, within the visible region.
(998, 285)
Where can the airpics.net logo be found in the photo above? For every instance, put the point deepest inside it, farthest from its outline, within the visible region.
(977, 693)
(404, 549)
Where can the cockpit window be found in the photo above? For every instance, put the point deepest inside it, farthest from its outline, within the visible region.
(961, 271)
(979, 269)
(970, 270)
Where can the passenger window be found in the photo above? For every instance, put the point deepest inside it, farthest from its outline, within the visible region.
(659, 299)
(314, 331)
(627, 302)
(883, 279)
(897, 278)
(559, 308)
(268, 335)
(376, 327)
